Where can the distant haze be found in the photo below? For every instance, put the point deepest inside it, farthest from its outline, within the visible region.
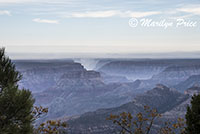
(82, 56)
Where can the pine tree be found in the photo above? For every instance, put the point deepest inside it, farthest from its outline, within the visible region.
(15, 105)
(193, 116)
(8, 73)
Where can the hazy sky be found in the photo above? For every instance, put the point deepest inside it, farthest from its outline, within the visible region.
(101, 26)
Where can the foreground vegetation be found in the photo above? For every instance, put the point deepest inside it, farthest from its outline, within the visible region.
(144, 123)
(17, 111)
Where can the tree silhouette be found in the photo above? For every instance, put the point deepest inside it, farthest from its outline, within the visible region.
(193, 116)
(15, 105)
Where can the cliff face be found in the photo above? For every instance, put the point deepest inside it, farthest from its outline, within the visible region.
(176, 74)
(143, 68)
(77, 96)
(161, 97)
(81, 91)
(180, 110)
(180, 77)
(80, 74)
(195, 89)
(41, 75)
(191, 81)
(67, 88)
(133, 69)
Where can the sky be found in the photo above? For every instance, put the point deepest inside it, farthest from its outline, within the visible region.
(99, 26)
